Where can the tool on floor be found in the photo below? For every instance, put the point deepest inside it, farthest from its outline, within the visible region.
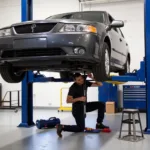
(85, 94)
(91, 130)
(45, 124)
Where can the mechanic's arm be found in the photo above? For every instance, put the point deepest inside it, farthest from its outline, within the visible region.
(71, 94)
(71, 100)
(95, 83)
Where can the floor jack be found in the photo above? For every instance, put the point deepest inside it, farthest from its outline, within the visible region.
(91, 130)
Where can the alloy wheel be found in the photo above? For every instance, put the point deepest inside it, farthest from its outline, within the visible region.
(107, 62)
(128, 66)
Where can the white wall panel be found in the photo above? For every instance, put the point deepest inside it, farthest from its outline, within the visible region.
(48, 94)
(9, 12)
(44, 8)
(64, 96)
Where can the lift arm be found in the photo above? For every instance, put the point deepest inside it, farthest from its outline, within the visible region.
(138, 76)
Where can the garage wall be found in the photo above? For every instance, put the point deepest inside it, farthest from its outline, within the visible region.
(48, 94)
(45, 8)
(9, 12)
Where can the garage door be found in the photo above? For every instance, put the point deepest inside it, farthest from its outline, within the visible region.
(133, 15)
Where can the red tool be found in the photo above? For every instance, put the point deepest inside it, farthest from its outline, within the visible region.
(91, 130)
(106, 130)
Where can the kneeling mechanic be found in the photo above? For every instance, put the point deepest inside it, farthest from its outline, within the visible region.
(77, 98)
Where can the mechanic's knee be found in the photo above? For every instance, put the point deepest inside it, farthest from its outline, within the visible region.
(102, 104)
(81, 128)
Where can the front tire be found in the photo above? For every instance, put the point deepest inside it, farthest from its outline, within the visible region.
(102, 71)
(11, 76)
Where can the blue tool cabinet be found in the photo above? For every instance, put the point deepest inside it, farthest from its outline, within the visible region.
(134, 97)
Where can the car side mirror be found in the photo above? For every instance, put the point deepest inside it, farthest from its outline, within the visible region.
(115, 24)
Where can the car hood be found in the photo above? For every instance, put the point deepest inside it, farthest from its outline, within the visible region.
(54, 21)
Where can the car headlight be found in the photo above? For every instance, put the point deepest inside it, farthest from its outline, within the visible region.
(5, 32)
(78, 28)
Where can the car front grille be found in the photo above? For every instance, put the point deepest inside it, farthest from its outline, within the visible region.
(34, 28)
(32, 53)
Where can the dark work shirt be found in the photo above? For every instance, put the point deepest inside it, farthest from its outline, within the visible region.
(77, 91)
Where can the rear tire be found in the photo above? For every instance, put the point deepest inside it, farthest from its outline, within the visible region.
(101, 71)
(126, 69)
(10, 76)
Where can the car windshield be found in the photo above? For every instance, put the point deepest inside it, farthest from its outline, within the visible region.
(89, 16)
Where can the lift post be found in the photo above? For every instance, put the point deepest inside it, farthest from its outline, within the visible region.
(26, 10)
(27, 102)
(147, 62)
(27, 87)
(85, 94)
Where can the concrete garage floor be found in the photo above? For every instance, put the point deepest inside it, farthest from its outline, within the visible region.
(13, 138)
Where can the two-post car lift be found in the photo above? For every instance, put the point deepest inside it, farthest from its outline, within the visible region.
(143, 74)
